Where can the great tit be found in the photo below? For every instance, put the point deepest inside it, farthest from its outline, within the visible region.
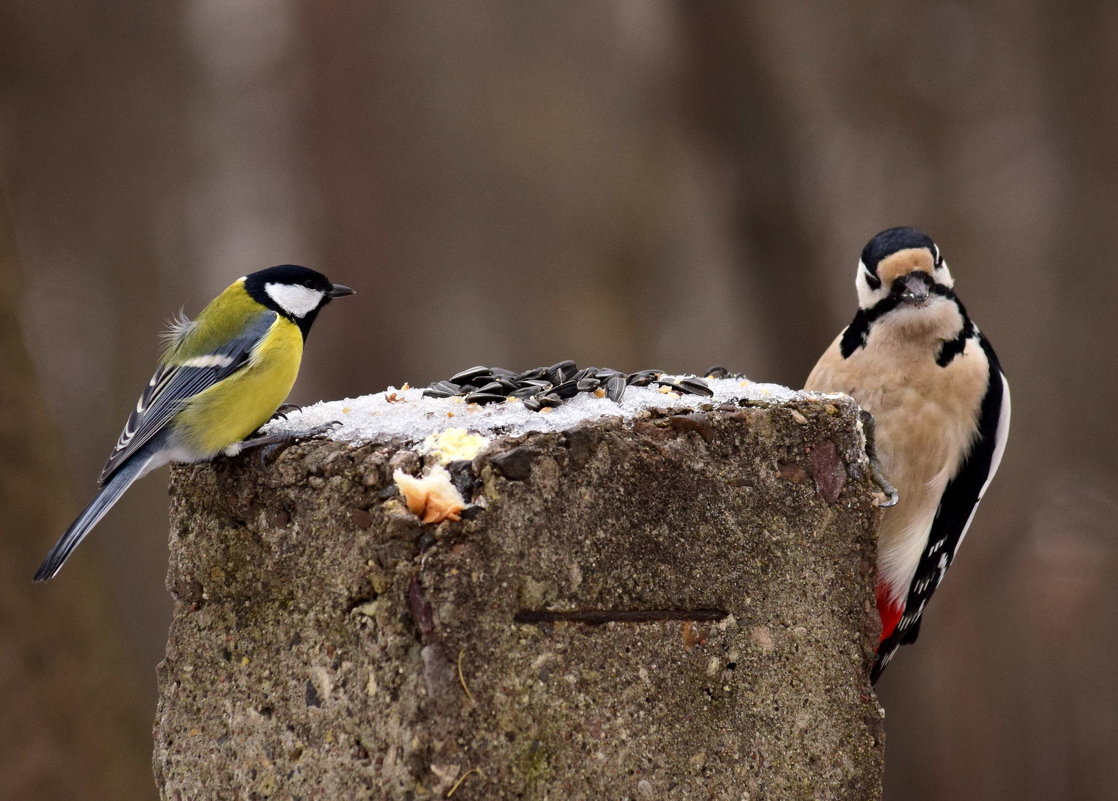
(220, 378)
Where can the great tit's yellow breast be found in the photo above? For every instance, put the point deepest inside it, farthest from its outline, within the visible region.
(233, 408)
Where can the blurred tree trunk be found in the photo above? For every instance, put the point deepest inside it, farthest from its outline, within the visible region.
(736, 105)
(516, 174)
(96, 153)
(72, 728)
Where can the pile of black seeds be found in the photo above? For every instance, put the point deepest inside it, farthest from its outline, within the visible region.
(548, 387)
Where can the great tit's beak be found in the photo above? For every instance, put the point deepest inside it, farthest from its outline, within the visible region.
(339, 291)
(913, 288)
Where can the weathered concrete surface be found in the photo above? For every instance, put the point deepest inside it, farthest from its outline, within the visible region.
(326, 645)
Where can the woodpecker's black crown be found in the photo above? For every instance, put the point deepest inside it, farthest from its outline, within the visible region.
(892, 240)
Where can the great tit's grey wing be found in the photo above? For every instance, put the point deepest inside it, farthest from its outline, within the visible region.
(176, 383)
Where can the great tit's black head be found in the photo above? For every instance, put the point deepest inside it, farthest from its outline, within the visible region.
(295, 292)
(903, 264)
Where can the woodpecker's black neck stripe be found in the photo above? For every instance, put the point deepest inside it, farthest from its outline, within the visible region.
(858, 332)
(955, 347)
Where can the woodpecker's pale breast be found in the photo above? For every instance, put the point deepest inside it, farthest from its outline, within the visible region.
(926, 418)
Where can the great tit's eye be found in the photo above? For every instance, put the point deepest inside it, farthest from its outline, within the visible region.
(309, 283)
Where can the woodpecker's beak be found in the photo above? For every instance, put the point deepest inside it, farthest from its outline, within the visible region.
(339, 291)
(913, 288)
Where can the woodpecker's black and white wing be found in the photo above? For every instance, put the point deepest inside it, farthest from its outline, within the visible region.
(193, 368)
(956, 508)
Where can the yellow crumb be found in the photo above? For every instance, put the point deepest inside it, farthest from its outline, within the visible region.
(454, 444)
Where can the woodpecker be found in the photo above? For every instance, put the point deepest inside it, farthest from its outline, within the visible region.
(914, 359)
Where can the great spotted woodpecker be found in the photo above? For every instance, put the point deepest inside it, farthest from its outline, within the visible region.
(914, 359)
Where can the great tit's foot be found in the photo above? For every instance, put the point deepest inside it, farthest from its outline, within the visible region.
(259, 440)
(318, 431)
(869, 426)
(284, 410)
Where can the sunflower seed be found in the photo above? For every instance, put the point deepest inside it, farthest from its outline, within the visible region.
(562, 371)
(471, 375)
(568, 389)
(615, 387)
(696, 386)
(547, 387)
(494, 388)
(528, 375)
(642, 378)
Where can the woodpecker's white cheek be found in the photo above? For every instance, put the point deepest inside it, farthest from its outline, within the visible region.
(297, 300)
(943, 276)
(866, 297)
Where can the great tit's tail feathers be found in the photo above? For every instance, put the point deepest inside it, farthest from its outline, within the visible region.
(108, 495)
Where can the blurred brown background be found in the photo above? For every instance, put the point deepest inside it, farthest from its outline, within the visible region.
(635, 183)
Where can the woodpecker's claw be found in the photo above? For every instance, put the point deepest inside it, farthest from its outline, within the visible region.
(891, 494)
(870, 428)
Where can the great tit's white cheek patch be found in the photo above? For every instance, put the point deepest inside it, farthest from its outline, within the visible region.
(296, 300)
